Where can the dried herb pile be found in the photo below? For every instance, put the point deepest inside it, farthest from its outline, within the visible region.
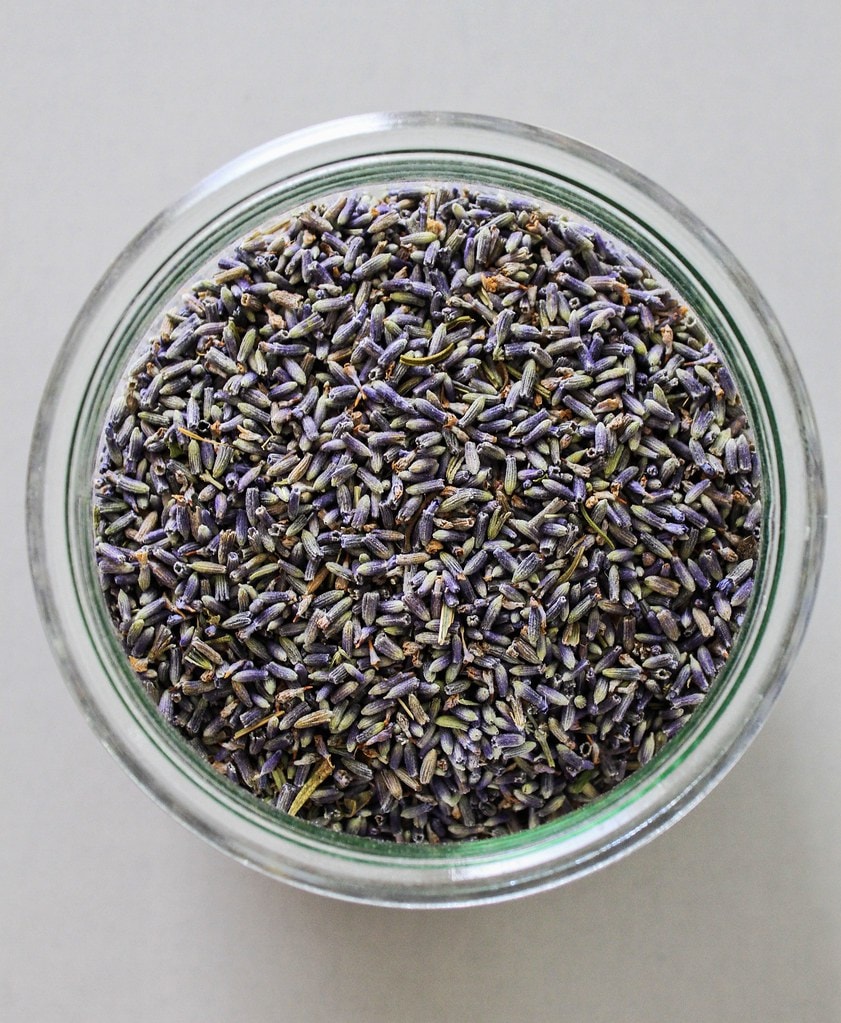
(427, 518)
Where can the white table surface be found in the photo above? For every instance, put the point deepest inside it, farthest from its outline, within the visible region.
(111, 911)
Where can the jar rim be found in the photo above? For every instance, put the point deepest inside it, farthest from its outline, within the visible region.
(368, 869)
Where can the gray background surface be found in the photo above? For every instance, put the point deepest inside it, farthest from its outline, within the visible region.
(111, 911)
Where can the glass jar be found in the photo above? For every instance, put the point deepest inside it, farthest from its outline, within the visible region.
(372, 151)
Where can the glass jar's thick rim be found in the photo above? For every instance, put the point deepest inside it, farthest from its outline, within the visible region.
(455, 873)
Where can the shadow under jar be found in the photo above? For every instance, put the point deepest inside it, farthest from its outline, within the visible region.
(372, 154)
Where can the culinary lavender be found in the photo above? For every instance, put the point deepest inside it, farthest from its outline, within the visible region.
(427, 518)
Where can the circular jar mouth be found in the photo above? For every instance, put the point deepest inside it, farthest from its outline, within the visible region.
(374, 151)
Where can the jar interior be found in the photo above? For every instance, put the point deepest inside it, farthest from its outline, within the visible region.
(371, 174)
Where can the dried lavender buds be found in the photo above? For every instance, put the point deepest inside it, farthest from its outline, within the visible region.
(427, 518)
